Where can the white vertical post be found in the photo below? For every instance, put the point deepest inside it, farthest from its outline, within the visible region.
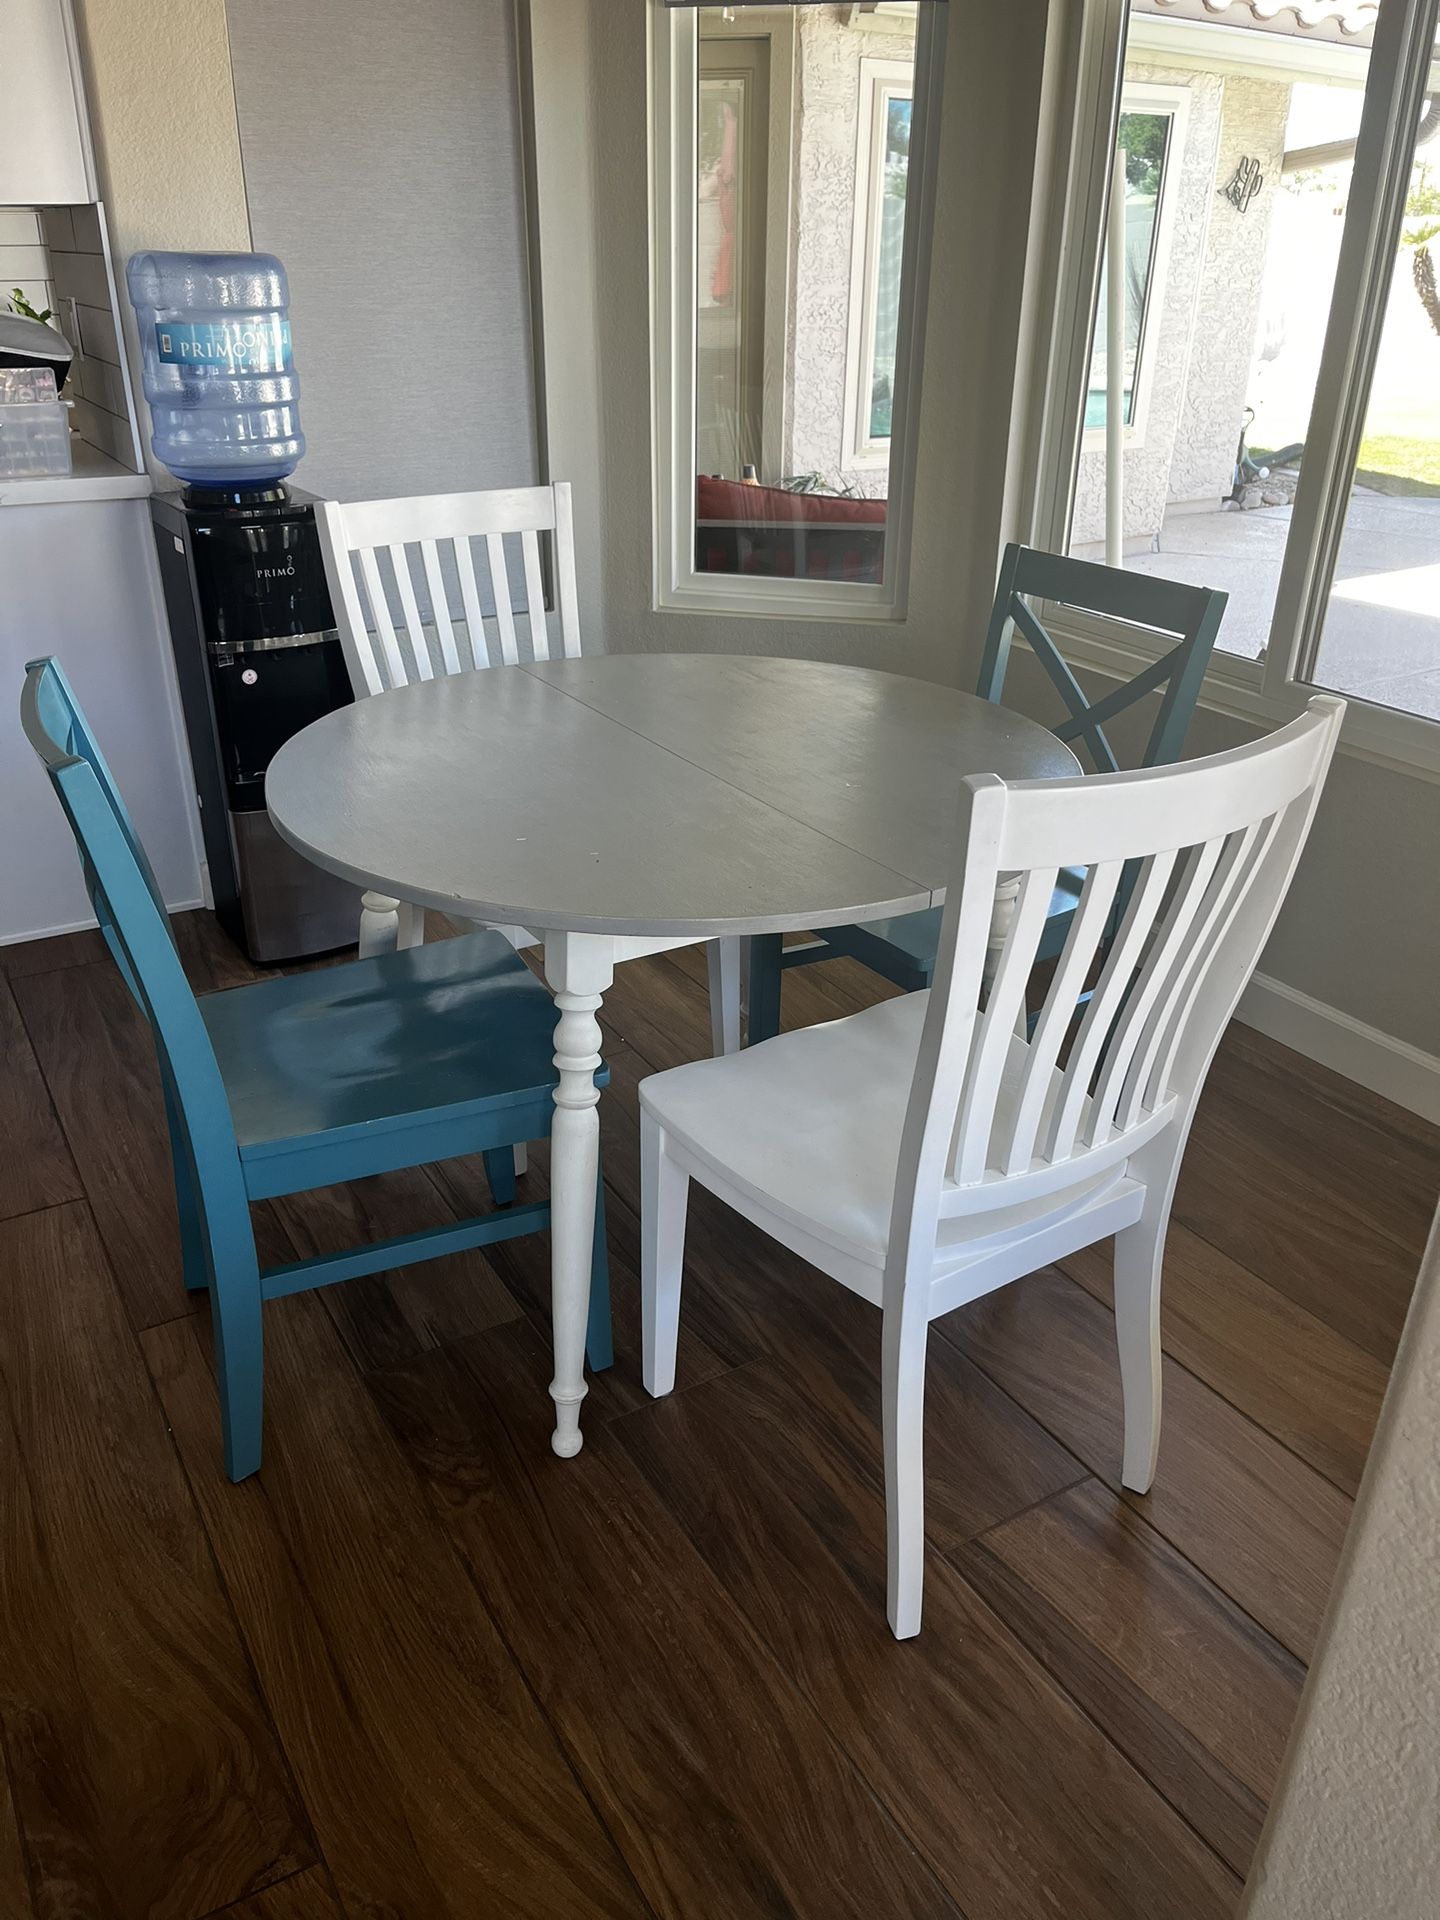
(1115, 369)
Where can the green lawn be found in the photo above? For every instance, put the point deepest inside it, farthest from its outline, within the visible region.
(1416, 462)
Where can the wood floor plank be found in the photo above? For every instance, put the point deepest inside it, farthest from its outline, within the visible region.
(387, 1318)
(1022, 1807)
(14, 1880)
(1308, 1386)
(1260, 1523)
(35, 1165)
(716, 1779)
(211, 960)
(1187, 1686)
(524, 1267)
(54, 951)
(99, 1063)
(305, 1896)
(435, 1789)
(146, 1777)
(1386, 1159)
(1296, 1222)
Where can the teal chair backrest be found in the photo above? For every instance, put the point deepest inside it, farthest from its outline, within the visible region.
(1189, 617)
(131, 912)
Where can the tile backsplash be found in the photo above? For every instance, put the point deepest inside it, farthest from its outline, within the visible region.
(55, 255)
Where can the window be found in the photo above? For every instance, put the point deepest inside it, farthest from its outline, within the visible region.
(1282, 346)
(881, 189)
(793, 180)
(1152, 136)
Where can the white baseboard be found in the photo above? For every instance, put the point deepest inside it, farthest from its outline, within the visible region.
(1402, 1073)
(83, 926)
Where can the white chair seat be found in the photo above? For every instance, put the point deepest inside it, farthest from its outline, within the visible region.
(782, 1129)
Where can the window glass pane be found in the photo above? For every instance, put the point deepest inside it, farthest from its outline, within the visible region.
(1381, 638)
(1236, 187)
(1145, 138)
(802, 171)
(895, 179)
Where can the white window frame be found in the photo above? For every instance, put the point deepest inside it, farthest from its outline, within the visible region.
(1142, 97)
(1085, 89)
(677, 586)
(881, 81)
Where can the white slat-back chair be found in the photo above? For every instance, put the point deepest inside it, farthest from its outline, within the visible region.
(411, 581)
(427, 585)
(925, 1151)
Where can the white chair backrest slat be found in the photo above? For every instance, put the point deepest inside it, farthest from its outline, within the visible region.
(390, 639)
(1057, 1016)
(535, 598)
(440, 606)
(1166, 955)
(996, 1028)
(476, 639)
(414, 628)
(504, 605)
(1136, 928)
(1202, 855)
(390, 660)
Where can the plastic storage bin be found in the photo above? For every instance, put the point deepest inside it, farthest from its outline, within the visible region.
(34, 438)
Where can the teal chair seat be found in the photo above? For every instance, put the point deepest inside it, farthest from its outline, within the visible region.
(363, 1060)
(312, 1079)
(903, 949)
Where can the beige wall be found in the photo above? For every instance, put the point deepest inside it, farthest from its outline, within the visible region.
(162, 117)
(1354, 1832)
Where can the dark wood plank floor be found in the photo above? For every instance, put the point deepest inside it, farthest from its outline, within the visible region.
(420, 1669)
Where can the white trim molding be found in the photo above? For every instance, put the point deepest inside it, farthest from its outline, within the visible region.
(1387, 1066)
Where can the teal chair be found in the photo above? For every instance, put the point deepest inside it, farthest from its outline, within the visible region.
(902, 949)
(306, 1081)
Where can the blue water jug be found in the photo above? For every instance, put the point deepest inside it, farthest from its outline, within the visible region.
(219, 375)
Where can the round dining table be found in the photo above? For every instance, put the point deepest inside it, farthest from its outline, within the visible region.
(628, 804)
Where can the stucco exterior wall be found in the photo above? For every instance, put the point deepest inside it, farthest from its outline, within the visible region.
(829, 53)
(1222, 346)
(1202, 352)
(1353, 1829)
(1151, 446)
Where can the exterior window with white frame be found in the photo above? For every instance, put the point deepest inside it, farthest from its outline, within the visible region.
(881, 187)
(793, 171)
(1280, 395)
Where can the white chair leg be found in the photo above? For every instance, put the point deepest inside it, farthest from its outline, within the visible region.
(379, 925)
(1139, 1257)
(723, 959)
(522, 1161)
(904, 1342)
(664, 1192)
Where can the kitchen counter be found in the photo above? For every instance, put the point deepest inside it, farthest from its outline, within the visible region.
(95, 477)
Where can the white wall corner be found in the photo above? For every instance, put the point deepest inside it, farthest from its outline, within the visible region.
(1387, 1066)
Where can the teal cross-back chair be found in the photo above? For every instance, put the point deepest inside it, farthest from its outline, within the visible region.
(307, 1081)
(903, 948)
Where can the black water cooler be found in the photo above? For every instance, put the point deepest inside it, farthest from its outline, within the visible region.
(258, 658)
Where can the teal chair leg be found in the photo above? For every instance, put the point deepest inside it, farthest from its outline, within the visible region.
(235, 1319)
(500, 1172)
(765, 975)
(599, 1340)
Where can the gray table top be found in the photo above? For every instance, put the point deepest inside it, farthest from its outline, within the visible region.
(651, 795)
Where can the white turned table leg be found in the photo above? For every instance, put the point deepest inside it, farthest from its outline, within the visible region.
(379, 925)
(578, 968)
